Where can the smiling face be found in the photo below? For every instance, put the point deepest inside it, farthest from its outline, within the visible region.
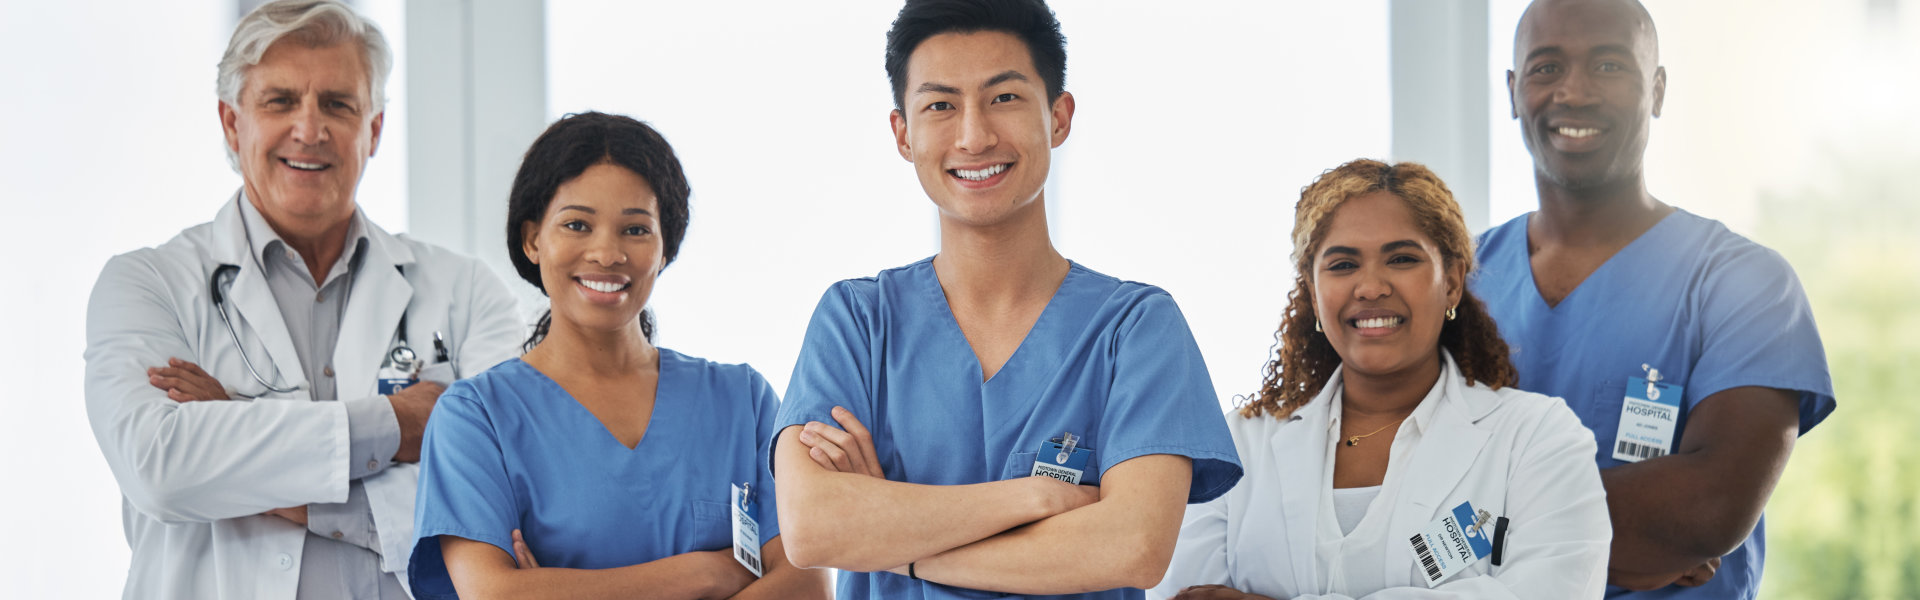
(598, 248)
(977, 125)
(1585, 87)
(1381, 287)
(303, 130)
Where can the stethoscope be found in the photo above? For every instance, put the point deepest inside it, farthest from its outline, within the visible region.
(401, 353)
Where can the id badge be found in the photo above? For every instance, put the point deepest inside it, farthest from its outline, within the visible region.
(746, 531)
(1452, 542)
(1062, 458)
(392, 380)
(1647, 420)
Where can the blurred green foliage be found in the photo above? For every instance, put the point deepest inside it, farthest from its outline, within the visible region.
(1844, 521)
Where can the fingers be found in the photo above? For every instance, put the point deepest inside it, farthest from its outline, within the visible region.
(838, 445)
(863, 440)
(522, 555)
(827, 453)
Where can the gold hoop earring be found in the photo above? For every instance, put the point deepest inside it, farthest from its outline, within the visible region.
(1450, 313)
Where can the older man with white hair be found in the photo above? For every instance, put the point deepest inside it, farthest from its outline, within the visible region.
(259, 383)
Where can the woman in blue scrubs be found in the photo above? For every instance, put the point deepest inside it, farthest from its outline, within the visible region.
(600, 465)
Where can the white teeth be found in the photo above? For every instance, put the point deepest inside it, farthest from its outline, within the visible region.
(1578, 132)
(605, 287)
(306, 166)
(982, 174)
(1378, 322)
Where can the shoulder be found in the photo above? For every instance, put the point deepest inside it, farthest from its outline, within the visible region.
(433, 258)
(1132, 302)
(1520, 414)
(1725, 258)
(718, 379)
(504, 382)
(1501, 235)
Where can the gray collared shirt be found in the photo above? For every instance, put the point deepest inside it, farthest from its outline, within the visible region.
(341, 556)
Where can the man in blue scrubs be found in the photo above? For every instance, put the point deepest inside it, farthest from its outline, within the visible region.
(925, 396)
(1689, 350)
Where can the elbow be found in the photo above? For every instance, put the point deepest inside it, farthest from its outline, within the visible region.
(164, 498)
(801, 549)
(1723, 535)
(1143, 560)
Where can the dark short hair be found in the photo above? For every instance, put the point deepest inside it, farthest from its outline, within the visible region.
(564, 151)
(1029, 20)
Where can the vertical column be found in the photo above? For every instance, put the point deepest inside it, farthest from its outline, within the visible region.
(478, 97)
(1439, 71)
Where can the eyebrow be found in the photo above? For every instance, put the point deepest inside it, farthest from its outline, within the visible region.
(1003, 77)
(591, 211)
(1600, 49)
(1384, 248)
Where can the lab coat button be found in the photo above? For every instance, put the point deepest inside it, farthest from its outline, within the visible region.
(286, 561)
(328, 370)
(338, 535)
(372, 464)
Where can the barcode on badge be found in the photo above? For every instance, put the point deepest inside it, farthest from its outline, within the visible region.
(749, 559)
(1641, 451)
(1425, 555)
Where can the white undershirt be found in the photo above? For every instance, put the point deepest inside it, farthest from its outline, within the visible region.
(1350, 505)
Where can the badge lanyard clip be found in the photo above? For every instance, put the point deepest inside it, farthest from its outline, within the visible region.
(1067, 442)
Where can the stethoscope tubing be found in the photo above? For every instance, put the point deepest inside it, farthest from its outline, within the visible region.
(220, 306)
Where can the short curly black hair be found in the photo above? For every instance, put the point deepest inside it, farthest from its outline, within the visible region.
(564, 151)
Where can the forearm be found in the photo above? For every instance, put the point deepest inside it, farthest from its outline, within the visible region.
(205, 461)
(782, 580)
(1125, 540)
(482, 571)
(863, 523)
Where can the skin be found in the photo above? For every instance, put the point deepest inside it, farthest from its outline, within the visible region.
(975, 101)
(603, 226)
(1374, 262)
(1593, 64)
(311, 105)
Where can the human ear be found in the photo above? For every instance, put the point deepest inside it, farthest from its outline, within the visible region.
(1062, 112)
(1659, 90)
(229, 125)
(899, 122)
(1513, 102)
(530, 241)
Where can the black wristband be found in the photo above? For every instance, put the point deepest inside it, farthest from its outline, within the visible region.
(910, 572)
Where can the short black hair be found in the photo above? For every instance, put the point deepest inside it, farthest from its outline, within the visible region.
(1029, 20)
(564, 151)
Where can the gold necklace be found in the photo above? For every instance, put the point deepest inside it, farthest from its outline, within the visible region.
(1355, 440)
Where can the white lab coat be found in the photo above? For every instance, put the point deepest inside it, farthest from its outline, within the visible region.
(194, 477)
(1512, 453)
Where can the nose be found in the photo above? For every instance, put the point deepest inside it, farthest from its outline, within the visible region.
(308, 128)
(604, 249)
(976, 133)
(1575, 90)
(1371, 286)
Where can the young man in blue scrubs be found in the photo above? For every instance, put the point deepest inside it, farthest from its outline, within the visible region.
(994, 360)
(1690, 351)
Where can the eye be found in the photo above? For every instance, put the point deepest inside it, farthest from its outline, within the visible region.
(1547, 69)
(1611, 67)
(279, 101)
(1008, 97)
(941, 105)
(580, 226)
(1403, 259)
(1342, 265)
(340, 105)
(638, 230)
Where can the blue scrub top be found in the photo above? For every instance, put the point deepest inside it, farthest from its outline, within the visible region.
(1710, 309)
(1110, 361)
(510, 449)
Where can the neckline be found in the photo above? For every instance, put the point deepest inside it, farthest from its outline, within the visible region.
(939, 293)
(606, 433)
(1533, 285)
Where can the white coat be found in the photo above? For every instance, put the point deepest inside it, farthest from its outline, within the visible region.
(194, 477)
(1512, 453)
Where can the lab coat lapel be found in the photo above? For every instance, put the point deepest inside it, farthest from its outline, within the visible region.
(252, 302)
(1449, 445)
(1303, 443)
(380, 296)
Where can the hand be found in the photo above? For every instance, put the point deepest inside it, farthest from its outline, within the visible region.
(1063, 497)
(1700, 575)
(522, 555)
(729, 576)
(411, 407)
(845, 449)
(186, 382)
(1215, 592)
(297, 514)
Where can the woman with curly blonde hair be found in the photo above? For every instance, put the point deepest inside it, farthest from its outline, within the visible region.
(1387, 454)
